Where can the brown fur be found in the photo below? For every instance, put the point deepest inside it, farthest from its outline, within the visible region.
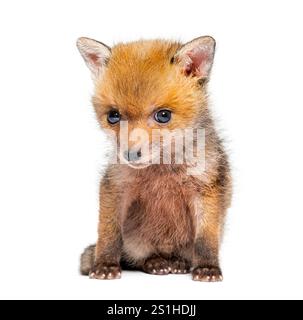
(158, 219)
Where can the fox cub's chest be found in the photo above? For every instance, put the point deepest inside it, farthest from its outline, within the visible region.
(159, 213)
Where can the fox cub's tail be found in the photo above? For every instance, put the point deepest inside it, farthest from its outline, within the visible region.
(87, 260)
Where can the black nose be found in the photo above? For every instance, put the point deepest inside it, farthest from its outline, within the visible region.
(131, 155)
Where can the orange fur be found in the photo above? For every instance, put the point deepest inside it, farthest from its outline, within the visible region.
(140, 78)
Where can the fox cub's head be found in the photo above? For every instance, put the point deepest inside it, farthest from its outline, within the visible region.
(149, 85)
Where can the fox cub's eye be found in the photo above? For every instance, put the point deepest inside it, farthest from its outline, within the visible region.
(113, 117)
(163, 116)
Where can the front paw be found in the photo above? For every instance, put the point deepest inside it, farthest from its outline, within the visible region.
(105, 271)
(207, 274)
(156, 266)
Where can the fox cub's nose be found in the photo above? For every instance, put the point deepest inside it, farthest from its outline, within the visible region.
(131, 155)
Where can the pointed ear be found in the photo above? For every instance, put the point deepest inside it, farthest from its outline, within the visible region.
(95, 54)
(196, 57)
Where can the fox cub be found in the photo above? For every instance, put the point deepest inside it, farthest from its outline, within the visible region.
(155, 216)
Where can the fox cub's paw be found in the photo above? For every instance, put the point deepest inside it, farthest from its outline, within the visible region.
(207, 274)
(179, 266)
(105, 271)
(156, 266)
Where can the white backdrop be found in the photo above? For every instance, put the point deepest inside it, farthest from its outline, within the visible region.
(52, 150)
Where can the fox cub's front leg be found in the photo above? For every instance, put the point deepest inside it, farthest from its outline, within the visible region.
(206, 248)
(109, 244)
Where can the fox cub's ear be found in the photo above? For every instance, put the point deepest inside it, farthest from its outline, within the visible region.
(95, 54)
(196, 57)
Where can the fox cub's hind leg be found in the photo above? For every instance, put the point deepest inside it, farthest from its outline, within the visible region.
(179, 265)
(158, 265)
(87, 260)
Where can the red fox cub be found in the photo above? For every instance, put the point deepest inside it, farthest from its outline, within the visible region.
(156, 214)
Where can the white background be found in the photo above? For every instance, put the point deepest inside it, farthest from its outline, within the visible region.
(51, 149)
